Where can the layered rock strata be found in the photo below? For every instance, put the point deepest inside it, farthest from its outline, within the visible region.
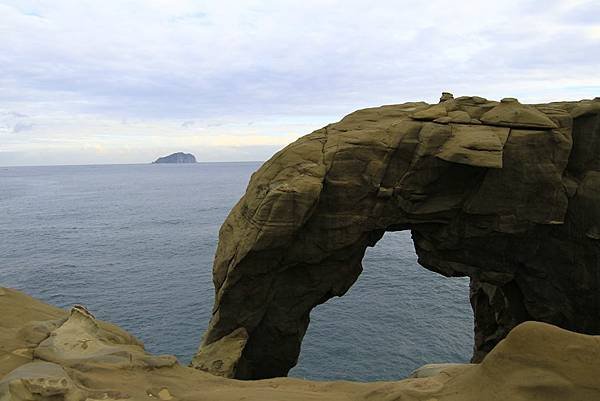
(47, 354)
(505, 193)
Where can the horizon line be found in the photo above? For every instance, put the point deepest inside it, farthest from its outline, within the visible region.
(128, 164)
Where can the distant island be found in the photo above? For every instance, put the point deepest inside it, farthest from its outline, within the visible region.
(177, 158)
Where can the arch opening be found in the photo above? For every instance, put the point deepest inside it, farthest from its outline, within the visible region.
(397, 317)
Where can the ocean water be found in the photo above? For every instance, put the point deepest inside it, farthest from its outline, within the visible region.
(135, 243)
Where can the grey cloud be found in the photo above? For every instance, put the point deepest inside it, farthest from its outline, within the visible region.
(21, 127)
(195, 17)
(17, 114)
(14, 122)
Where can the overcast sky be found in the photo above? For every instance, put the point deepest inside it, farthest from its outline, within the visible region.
(122, 81)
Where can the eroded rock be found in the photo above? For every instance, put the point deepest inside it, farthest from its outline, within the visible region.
(80, 341)
(535, 361)
(39, 380)
(49, 354)
(222, 356)
(511, 113)
(507, 196)
(434, 369)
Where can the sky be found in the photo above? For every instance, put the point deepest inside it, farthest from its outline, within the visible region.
(127, 81)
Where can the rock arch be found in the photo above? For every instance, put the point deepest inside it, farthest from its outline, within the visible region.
(505, 193)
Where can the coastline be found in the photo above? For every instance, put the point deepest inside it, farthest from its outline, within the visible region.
(48, 352)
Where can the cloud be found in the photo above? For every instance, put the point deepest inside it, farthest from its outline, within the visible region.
(22, 127)
(12, 122)
(76, 65)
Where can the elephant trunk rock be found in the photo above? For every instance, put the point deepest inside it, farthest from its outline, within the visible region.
(505, 193)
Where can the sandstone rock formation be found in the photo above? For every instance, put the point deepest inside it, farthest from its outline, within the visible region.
(176, 158)
(505, 193)
(47, 354)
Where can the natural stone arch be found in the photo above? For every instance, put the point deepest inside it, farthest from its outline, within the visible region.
(395, 318)
(505, 193)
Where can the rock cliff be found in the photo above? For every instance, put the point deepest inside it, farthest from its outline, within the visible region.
(176, 158)
(48, 354)
(505, 193)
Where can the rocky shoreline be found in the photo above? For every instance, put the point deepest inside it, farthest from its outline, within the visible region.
(50, 354)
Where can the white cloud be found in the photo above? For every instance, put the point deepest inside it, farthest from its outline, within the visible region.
(204, 69)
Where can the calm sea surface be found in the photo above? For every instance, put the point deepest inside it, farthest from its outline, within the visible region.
(135, 243)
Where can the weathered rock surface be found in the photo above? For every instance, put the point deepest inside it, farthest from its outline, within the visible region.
(177, 158)
(505, 193)
(433, 369)
(222, 356)
(82, 359)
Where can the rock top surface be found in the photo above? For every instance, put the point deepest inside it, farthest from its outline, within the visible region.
(176, 158)
(503, 192)
(48, 354)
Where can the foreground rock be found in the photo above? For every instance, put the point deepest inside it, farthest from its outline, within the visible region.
(505, 193)
(47, 354)
(176, 158)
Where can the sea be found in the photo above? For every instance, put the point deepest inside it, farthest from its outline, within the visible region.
(135, 245)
